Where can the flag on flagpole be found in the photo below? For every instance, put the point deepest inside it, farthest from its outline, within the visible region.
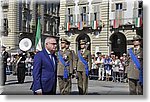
(94, 24)
(116, 23)
(38, 37)
(138, 22)
(80, 25)
(67, 26)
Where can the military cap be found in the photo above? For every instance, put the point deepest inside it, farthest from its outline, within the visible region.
(63, 40)
(82, 42)
(136, 37)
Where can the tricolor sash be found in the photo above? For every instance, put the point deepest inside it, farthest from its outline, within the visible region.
(84, 62)
(64, 64)
(138, 66)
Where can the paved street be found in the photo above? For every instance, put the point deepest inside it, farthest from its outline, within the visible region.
(95, 87)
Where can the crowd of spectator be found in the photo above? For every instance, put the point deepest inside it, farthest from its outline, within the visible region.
(109, 67)
(104, 67)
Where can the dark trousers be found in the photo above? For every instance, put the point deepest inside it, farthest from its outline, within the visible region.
(5, 77)
(21, 73)
(135, 87)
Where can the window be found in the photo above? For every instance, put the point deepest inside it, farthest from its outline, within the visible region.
(26, 2)
(140, 4)
(47, 26)
(5, 23)
(84, 10)
(27, 26)
(45, 8)
(83, 15)
(118, 6)
(70, 15)
(69, 11)
(140, 9)
(71, 19)
(95, 16)
(24, 25)
(54, 6)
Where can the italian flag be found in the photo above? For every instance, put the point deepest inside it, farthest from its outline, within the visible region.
(94, 24)
(68, 26)
(38, 37)
(116, 23)
(138, 22)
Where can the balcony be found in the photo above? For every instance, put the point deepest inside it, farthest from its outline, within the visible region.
(5, 4)
(80, 26)
(125, 24)
(70, 2)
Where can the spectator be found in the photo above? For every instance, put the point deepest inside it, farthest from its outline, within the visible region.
(108, 66)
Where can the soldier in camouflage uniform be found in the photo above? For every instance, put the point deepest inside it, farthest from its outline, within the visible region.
(72, 52)
(135, 75)
(65, 68)
(83, 68)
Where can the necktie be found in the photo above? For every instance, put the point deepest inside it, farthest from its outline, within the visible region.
(52, 59)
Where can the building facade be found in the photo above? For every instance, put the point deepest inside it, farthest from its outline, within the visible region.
(106, 25)
(20, 20)
(10, 23)
(124, 15)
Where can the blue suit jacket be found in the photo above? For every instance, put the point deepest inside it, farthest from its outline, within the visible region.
(44, 73)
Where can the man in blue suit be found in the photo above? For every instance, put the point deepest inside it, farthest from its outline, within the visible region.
(45, 69)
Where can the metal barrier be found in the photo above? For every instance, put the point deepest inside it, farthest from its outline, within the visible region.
(119, 76)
